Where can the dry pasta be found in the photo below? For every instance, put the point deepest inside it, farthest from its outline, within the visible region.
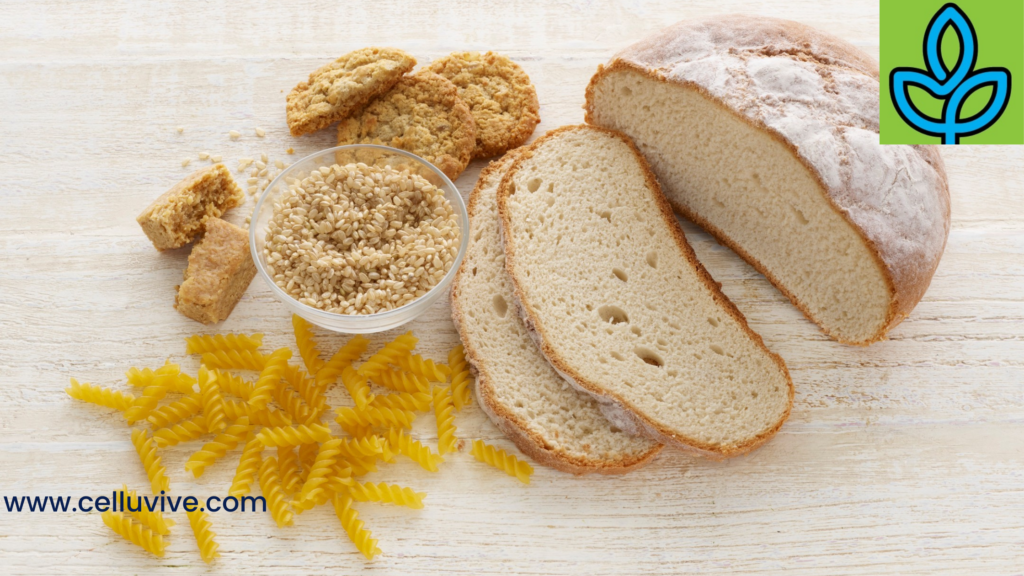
(353, 526)
(294, 435)
(235, 409)
(183, 431)
(288, 461)
(307, 455)
(217, 448)
(444, 411)
(270, 378)
(150, 461)
(100, 396)
(420, 366)
(200, 522)
(154, 520)
(357, 387)
(502, 461)
(412, 401)
(270, 485)
(234, 360)
(135, 532)
(461, 377)
(326, 457)
(213, 401)
(306, 344)
(386, 493)
(248, 466)
(151, 395)
(203, 343)
(293, 404)
(338, 481)
(368, 446)
(407, 446)
(389, 354)
(176, 411)
(234, 385)
(345, 356)
(183, 383)
(402, 381)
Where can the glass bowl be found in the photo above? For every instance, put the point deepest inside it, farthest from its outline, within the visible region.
(367, 154)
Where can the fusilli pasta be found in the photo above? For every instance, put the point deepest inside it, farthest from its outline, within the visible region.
(502, 461)
(135, 532)
(407, 446)
(151, 396)
(144, 377)
(421, 366)
(203, 343)
(461, 377)
(326, 457)
(176, 411)
(150, 461)
(306, 343)
(217, 448)
(350, 420)
(386, 493)
(154, 520)
(234, 385)
(307, 455)
(270, 378)
(200, 522)
(100, 396)
(294, 435)
(368, 446)
(213, 401)
(248, 466)
(234, 360)
(353, 526)
(270, 485)
(345, 356)
(444, 411)
(389, 354)
(235, 409)
(288, 461)
(183, 431)
(412, 401)
(357, 387)
(402, 381)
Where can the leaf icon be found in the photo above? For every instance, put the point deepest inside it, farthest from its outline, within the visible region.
(954, 86)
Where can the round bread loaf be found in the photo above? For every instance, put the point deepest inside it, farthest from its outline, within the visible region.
(765, 132)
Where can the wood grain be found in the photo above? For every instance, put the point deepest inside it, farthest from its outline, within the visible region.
(907, 456)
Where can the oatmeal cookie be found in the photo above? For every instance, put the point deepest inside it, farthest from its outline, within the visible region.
(422, 114)
(500, 96)
(335, 90)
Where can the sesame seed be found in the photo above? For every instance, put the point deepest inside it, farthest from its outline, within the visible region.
(234, 135)
(204, 155)
(261, 132)
(186, 162)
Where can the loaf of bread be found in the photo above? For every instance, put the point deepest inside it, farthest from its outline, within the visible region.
(765, 132)
(548, 419)
(620, 306)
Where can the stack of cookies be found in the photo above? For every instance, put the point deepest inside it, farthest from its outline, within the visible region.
(463, 106)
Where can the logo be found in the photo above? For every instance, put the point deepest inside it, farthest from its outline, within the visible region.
(972, 101)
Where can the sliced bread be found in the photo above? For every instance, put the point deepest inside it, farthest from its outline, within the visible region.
(619, 305)
(545, 417)
(765, 132)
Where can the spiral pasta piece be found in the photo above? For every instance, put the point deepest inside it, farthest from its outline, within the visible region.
(307, 345)
(322, 467)
(270, 485)
(345, 356)
(402, 381)
(154, 520)
(389, 354)
(411, 401)
(351, 420)
(369, 446)
(151, 395)
(201, 528)
(292, 404)
(234, 360)
(353, 526)
(288, 461)
(184, 431)
(248, 466)
(176, 411)
(100, 396)
(294, 435)
(407, 446)
(461, 377)
(305, 386)
(420, 366)
(338, 481)
(217, 448)
(213, 401)
(183, 383)
(146, 449)
(444, 411)
(360, 466)
(270, 378)
(204, 343)
(386, 493)
(502, 460)
(135, 532)
(235, 409)
(357, 387)
(307, 455)
(234, 385)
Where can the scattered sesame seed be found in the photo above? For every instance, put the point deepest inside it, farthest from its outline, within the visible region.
(234, 134)
(204, 155)
(185, 162)
(180, 129)
(261, 132)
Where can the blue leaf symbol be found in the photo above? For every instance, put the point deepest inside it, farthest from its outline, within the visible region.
(952, 86)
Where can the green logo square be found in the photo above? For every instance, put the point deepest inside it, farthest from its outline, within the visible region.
(952, 72)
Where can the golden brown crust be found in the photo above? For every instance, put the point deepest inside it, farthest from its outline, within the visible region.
(333, 91)
(422, 114)
(179, 215)
(655, 431)
(500, 96)
(528, 442)
(905, 291)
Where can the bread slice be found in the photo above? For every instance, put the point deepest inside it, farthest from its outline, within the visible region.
(547, 418)
(765, 132)
(620, 306)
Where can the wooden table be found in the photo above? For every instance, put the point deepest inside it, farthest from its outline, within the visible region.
(907, 456)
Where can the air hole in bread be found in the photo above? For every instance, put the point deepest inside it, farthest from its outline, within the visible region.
(620, 274)
(613, 314)
(550, 200)
(635, 330)
(717, 349)
(478, 235)
(474, 270)
(533, 184)
(626, 91)
(551, 186)
(799, 215)
(649, 356)
(500, 305)
(713, 322)
(511, 188)
(662, 342)
(607, 215)
(618, 356)
(718, 202)
(615, 430)
(652, 259)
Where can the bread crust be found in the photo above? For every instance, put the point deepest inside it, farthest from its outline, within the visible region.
(422, 114)
(500, 96)
(610, 400)
(528, 442)
(907, 277)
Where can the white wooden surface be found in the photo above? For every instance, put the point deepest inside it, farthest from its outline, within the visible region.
(907, 456)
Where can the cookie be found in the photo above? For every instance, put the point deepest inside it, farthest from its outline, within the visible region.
(500, 96)
(335, 90)
(422, 114)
